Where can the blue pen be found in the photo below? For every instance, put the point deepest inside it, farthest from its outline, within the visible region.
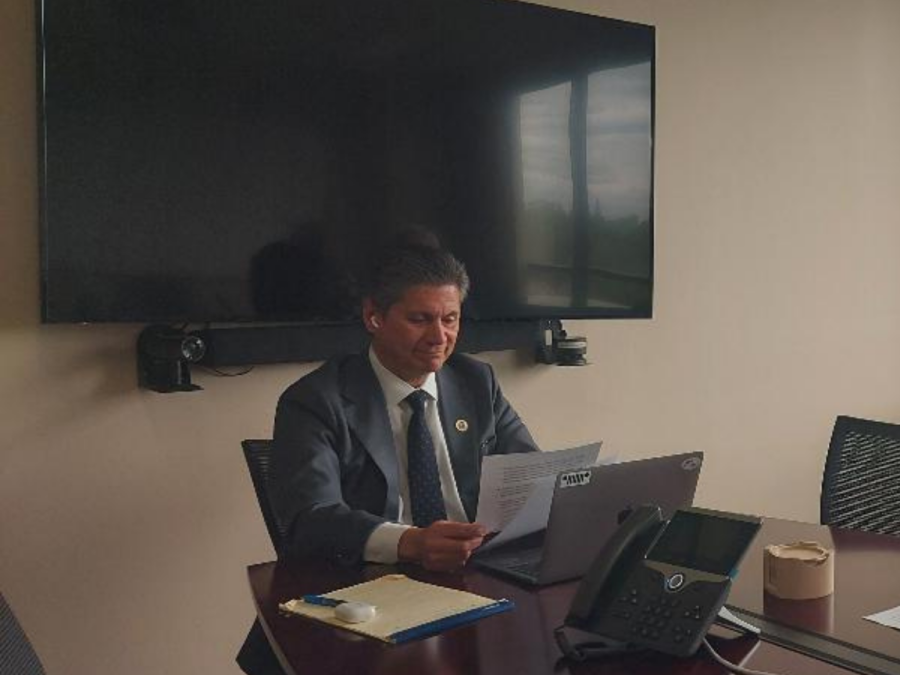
(322, 601)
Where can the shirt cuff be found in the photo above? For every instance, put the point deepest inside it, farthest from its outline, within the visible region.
(381, 546)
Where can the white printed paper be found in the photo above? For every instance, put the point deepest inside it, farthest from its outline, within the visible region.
(889, 617)
(517, 489)
(531, 517)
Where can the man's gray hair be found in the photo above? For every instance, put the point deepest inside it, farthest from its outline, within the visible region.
(408, 265)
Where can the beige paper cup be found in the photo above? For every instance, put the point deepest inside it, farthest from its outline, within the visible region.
(800, 571)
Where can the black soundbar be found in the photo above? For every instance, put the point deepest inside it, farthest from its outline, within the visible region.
(251, 345)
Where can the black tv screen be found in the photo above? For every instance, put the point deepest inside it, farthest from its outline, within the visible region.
(224, 160)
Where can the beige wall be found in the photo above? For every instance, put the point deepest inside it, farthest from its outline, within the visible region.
(126, 517)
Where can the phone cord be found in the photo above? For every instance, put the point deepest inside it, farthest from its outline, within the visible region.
(732, 667)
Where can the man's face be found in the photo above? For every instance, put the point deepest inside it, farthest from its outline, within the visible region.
(417, 333)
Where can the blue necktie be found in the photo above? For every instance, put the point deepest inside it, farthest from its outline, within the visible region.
(425, 496)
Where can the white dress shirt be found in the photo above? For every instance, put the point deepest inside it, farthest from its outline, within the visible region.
(382, 543)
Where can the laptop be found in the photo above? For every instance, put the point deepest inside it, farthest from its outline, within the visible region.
(586, 510)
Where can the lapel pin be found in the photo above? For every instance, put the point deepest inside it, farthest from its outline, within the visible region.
(462, 425)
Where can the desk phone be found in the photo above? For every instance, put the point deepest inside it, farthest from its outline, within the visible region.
(660, 585)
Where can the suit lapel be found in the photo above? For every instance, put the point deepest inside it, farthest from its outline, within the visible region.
(458, 417)
(366, 412)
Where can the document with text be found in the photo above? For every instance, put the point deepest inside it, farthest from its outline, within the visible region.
(517, 489)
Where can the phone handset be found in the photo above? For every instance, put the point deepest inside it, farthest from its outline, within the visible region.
(622, 552)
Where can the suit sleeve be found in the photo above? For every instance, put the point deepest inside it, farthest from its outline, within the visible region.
(309, 440)
(511, 433)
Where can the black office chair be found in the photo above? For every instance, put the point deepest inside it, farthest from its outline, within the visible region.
(256, 656)
(258, 454)
(17, 656)
(861, 485)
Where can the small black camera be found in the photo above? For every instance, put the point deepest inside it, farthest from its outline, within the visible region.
(164, 355)
(557, 347)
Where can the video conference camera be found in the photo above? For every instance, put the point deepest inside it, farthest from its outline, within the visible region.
(164, 355)
(557, 347)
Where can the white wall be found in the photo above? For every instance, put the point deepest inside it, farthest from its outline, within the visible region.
(126, 517)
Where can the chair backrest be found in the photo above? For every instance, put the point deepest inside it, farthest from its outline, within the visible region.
(258, 453)
(17, 656)
(861, 484)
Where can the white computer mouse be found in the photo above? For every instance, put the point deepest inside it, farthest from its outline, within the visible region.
(354, 612)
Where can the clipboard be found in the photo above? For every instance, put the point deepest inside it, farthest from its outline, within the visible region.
(406, 609)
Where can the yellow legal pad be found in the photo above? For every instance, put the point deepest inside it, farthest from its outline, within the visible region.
(405, 609)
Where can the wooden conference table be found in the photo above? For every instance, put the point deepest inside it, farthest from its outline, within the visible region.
(521, 641)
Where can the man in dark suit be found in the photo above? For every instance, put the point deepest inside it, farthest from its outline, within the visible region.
(377, 456)
(339, 474)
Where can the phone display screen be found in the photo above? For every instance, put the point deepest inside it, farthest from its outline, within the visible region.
(704, 542)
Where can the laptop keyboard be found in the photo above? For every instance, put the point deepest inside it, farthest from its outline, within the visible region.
(525, 561)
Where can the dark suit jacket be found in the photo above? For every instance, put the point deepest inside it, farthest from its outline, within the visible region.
(334, 472)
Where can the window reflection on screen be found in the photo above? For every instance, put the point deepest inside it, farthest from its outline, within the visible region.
(585, 222)
(546, 218)
(618, 167)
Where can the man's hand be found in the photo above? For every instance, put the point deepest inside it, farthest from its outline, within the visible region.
(442, 546)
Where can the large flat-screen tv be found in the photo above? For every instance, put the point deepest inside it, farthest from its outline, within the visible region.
(234, 161)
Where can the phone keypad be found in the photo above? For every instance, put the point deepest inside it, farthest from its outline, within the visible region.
(653, 616)
(645, 613)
